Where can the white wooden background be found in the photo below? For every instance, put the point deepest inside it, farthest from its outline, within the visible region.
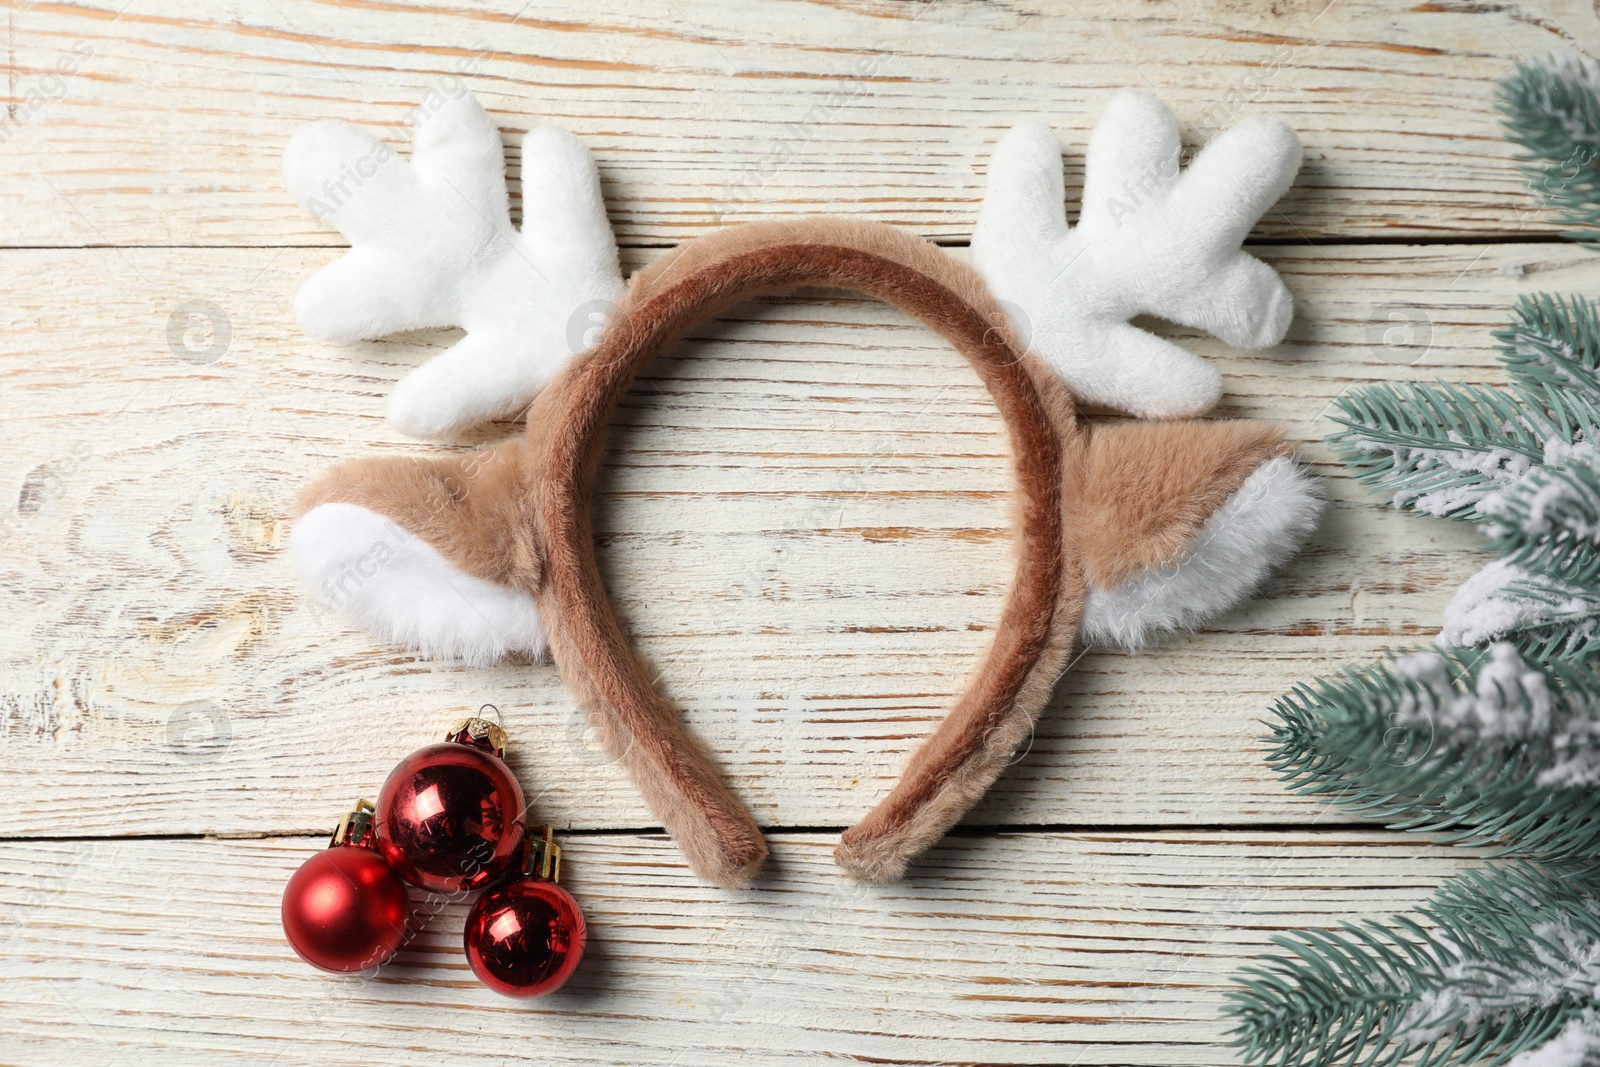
(803, 518)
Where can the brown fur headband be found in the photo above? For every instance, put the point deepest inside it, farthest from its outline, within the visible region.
(1122, 530)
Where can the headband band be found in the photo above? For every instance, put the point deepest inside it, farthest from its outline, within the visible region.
(956, 764)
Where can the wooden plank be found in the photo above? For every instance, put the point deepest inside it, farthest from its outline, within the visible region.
(1090, 949)
(803, 516)
(130, 124)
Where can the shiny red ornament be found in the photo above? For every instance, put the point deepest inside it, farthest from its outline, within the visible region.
(450, 815)
(525, 936)
(345, 909)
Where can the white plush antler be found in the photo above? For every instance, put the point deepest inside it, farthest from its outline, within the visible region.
(433, 245)
(1148, 241)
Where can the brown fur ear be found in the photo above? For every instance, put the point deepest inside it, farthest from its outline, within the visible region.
(1141, 491)
(472, 509)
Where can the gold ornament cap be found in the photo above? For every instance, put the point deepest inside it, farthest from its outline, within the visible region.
(542, 856)
(480, 732)
(355, 826)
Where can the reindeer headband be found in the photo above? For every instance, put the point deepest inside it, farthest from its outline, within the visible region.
(1125, 529)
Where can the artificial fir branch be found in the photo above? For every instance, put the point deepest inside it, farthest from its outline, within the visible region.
(1544, 616)
(1503, 965)
(1436, 447)
(1481, 746)
(1561, 619)
(1548, 522)
(1554, 340)
(1499, 962)
(1552, 112)
(1440, 448)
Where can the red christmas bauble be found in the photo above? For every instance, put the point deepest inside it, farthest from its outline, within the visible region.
(524, 938)
(345, 909)
(450, 816)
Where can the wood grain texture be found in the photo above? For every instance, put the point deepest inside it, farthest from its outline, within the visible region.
(130, 123)
(1092, 949)
(803, 518)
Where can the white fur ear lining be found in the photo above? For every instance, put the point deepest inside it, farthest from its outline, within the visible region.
(1262, 524)
(389, 582)
(1149, 241)
(432, 245)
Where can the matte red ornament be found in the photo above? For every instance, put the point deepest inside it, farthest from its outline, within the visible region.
(525, 937)
(345, 909)
(450, 815)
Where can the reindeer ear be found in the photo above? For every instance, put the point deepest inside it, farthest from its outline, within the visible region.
(431, 554)
(1178, 521)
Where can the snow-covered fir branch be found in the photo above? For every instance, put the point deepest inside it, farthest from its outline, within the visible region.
(1434, 447)
(1552, 112)
(1499, 963)
(1547, 523)
(1577, 1045)
(1440, 448)
(1545, 616)
(1497, 745)
(1483, 746)
(1554, 340)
